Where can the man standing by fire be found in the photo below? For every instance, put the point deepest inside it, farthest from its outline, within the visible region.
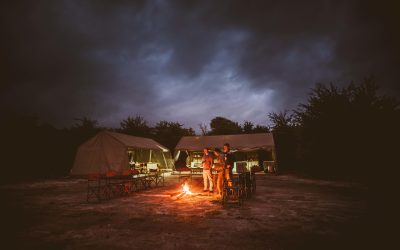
(229, 163)
(207, 162)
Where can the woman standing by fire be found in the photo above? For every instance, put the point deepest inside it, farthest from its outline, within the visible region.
(219, 163)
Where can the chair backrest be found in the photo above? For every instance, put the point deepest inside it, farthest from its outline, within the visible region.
(241, 166)
(127, 172)
(269, 166)
(93, 177)
(152, 167)
(255, 169)
(135, 172)
(111, 173)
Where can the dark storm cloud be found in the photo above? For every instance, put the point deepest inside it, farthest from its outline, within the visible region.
(178, 60)
(295, 44)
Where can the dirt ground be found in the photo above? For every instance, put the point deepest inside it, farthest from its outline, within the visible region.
(287, 212)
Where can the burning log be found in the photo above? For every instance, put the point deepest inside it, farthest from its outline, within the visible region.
(185, 191)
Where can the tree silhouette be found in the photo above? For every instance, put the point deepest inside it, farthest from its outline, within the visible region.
(260, 129)
(281, 120)
(86, 123)
(33, 149)
(204, 129)
(345, 130)
(169, 133)
(83, 129)
(223, 126)
(136, 126)
(351, 132)
(248, 127)
(284, 131)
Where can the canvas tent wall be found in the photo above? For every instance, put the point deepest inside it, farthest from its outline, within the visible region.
(240, 143)
(112, 151)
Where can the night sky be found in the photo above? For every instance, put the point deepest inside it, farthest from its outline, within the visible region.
(188, 61)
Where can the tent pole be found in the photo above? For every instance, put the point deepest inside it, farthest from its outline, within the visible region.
(165, 161)
(274, 159)
(273, 154)
(150, 155)
(177, 153)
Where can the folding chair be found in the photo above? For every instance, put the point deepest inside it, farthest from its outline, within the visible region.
(93, 187)
(253, 184)
(152, 174)
(127, 181)
(96, 188)
(137, 180)
(114, 184)
(232, 191)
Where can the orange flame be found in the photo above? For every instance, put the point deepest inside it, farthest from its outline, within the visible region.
(186, 189)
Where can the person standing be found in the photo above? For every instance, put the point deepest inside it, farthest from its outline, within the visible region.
(219, 164)
(207, 162)
(229, 163)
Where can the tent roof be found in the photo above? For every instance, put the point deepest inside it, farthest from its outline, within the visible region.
(243, 142)
(136, 142)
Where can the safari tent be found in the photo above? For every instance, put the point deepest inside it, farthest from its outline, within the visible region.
(251, 149)
(114, 151)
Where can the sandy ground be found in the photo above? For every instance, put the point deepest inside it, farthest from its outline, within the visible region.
(287, 212)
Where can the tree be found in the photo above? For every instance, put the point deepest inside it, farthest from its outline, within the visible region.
(84, 128)
(248, 127)
(281, 120)
(260, 129)
(223, 126)
(346, 131)
(169, 133)
(86, 123)
(283, 129)
(136, 126)
(42, 153)
(204, 129)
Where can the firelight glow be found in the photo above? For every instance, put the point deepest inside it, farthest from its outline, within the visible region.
(186, 189)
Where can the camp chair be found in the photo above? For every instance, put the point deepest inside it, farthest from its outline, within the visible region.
(114, 184)
(155, 175)
(246, 184)
(252, 179)
(240, 178)
(232, 191)
(96, 188)
(270, 167)
(244, 178)
(127, 181)
(151, 170)
(253, 184)
(138, 180)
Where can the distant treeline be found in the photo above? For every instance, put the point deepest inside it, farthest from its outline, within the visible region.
(338, 133)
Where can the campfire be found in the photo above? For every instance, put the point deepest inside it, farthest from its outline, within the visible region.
(185, 191)
(186, 188)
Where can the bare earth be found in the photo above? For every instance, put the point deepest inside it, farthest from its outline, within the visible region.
(287, 212)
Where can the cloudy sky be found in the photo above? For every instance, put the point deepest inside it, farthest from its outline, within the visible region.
(188, 61)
